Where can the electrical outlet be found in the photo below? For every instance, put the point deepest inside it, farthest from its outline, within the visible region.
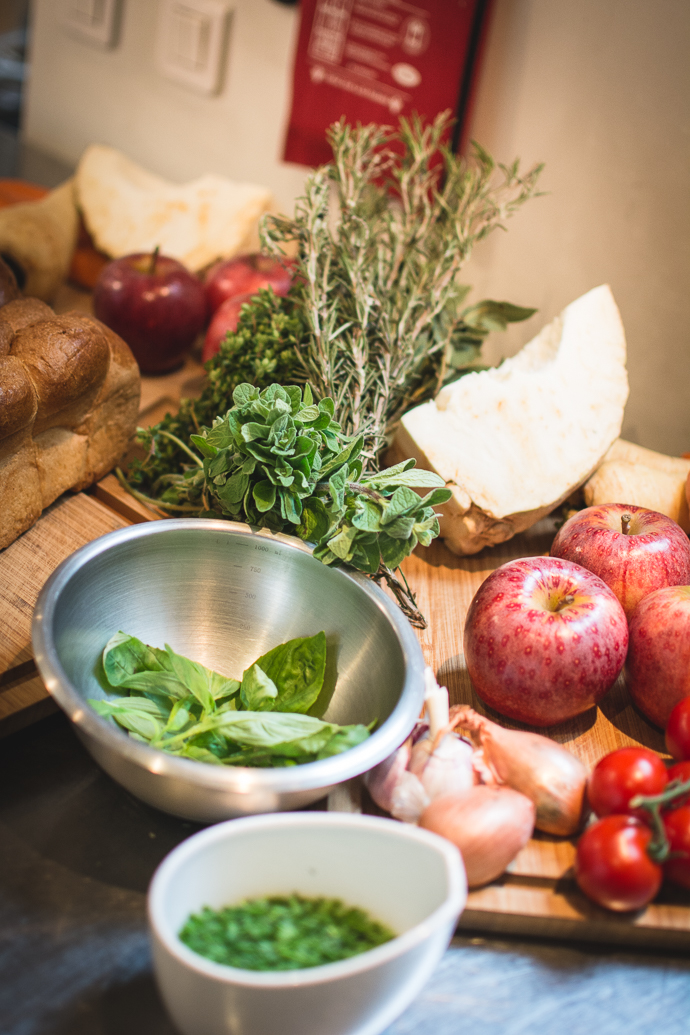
(95, 21)
(190, 42)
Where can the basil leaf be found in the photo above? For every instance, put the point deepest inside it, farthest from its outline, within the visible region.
(297, 669)
(137, 714)
(196, 678)
(343, 739)
(258, 692)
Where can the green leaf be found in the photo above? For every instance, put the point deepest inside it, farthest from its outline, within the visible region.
(264, 494)
(220, 435)
(437, 497)
(245, 394)
(368, 516)
(366, 555)
(234, 489)
(205, 448)
(495, 316)
(258, 692)
(401, 527)
(415, 477)
(341, 544)
(252, 431)
(343, 739)
(292, 735)
(293, 508)
(137, 714)
(393, 551)
(349, 452)
(314, 522)
(198, 679)
(297, 669)
(308, 414)
(336, 487)
(402, 500)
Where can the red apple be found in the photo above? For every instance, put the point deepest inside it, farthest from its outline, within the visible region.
(155, 304)
(658, 664)
(544, 640)
(632, 549)
(224, 319)
(246, 275)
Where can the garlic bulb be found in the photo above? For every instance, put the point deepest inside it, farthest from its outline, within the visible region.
(437, 762)
(488, 824)
(536, 766)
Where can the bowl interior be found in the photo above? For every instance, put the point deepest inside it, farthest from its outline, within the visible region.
(399, 875)
(223, 598)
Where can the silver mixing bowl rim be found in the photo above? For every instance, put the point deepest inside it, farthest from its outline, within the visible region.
(239, 780)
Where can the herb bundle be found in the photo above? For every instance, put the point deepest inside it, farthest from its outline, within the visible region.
(280, 460)
(378, 286)
(186, 709)
(373, 325)
(375, 319)
(282, 933)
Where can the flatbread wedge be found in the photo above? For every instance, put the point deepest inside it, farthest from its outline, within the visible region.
(127, 209)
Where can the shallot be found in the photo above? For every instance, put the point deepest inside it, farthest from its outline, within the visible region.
(488, 824)
(534, 765)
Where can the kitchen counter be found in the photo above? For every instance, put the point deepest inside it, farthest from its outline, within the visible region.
(77, 853)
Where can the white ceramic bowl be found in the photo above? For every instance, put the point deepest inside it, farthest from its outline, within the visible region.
(409, 879)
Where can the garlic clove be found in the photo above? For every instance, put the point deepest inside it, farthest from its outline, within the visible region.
(408, 798)
(449, 768)
(382, 779)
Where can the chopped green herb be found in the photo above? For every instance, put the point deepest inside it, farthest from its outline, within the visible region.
(282, 933)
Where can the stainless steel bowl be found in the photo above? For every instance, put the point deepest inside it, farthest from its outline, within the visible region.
(223, 594)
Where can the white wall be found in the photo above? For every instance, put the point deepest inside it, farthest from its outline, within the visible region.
(598, 89)
(79, 94)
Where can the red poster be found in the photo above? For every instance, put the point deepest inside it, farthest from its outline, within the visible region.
(374, 60)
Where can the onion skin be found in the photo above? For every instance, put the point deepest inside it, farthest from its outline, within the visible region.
(545, 772)
(489, 825)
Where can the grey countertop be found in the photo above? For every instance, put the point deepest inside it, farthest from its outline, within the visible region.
(77, 853)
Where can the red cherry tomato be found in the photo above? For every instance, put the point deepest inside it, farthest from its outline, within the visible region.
(677, 823)
(678, 731)
(679, 771)
(612, 866)
(621, 775)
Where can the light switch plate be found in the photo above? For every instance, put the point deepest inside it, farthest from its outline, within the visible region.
(190, 42)
(94, 21)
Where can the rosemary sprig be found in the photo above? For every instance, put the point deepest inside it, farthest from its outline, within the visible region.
(380, 295)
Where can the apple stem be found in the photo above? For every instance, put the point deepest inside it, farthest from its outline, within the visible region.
(154, 259)
(625, 523)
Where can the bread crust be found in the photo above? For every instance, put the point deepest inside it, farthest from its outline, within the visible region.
(69, 399)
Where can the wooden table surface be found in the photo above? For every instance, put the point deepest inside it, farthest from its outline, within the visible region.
(537, 895)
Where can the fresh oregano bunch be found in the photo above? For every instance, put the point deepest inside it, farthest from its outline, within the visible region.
(278, 459)
(264, 348)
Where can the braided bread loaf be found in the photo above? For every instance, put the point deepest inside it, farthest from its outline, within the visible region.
(69, 398)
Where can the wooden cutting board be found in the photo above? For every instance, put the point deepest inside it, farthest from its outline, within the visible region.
(537, 895)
